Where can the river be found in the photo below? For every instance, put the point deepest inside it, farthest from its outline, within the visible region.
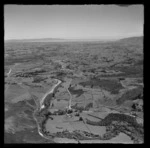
(49, 92)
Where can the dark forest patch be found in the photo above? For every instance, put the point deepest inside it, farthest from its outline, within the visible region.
(38, 79)
(132, 71)
(131, 95)
(77, 92)
(110, 85)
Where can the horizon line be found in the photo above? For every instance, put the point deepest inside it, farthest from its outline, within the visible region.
(102, 38)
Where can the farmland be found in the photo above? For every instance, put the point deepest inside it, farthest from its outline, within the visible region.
(99, 98)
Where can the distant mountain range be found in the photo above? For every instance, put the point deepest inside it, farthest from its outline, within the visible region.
(35, 40)
(124, 40)
(54, 40)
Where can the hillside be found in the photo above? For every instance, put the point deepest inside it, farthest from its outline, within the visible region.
(132, 40)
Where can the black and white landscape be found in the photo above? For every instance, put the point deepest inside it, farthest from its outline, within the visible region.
(73, 88)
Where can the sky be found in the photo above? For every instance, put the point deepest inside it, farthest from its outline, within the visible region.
(72, 21)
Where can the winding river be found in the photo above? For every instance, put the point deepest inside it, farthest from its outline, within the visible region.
(43, 107)
(49, 92)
